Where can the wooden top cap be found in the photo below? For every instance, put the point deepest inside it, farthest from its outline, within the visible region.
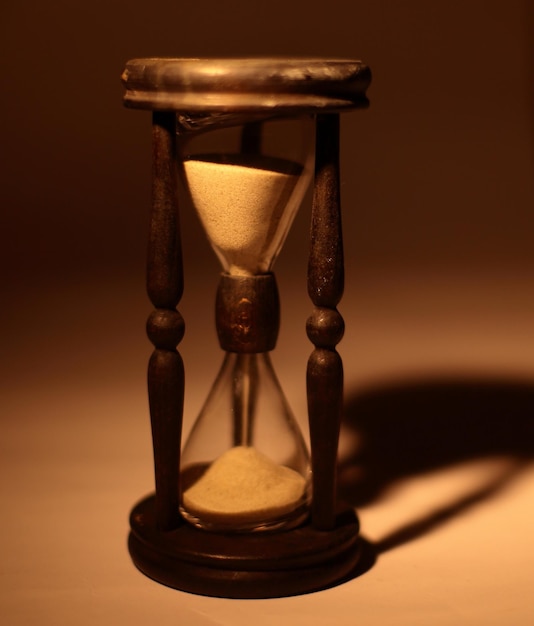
(271, 86)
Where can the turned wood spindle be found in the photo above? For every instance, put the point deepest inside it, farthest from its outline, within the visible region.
(325, 326)
(165, 326)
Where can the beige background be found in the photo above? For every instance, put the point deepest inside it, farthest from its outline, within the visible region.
(439, 350)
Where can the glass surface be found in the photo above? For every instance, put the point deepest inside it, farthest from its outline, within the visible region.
(245, 466)
(246, 183)
(248, 438)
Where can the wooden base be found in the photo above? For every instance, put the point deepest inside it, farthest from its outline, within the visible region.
(255, 565)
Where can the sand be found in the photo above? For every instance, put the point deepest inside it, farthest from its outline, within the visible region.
(243, 486)
(241, 202)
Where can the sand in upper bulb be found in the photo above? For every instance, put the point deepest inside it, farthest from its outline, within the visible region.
(241, 200)
(243, 486)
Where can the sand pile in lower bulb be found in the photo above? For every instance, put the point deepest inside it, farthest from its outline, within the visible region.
(244, 486)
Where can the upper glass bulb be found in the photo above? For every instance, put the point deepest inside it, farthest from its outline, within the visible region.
(246, 183)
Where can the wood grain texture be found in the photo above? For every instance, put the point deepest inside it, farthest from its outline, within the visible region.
(324, 376)
(245, 565)
(247, 313)
(165, 326)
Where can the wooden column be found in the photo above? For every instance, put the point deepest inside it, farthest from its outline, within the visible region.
(325, 326)
(165, 326)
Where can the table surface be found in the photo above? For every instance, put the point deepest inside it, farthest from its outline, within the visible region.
(436, 452)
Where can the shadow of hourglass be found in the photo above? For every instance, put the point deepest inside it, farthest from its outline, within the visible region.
(413, 428)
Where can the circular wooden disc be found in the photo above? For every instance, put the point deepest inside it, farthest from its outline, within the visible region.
(270, 86)
(253, 565)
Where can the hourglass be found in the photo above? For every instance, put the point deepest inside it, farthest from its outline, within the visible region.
(243, 510)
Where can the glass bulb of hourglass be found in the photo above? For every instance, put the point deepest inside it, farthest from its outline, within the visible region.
(245, 465)
(247, 197)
